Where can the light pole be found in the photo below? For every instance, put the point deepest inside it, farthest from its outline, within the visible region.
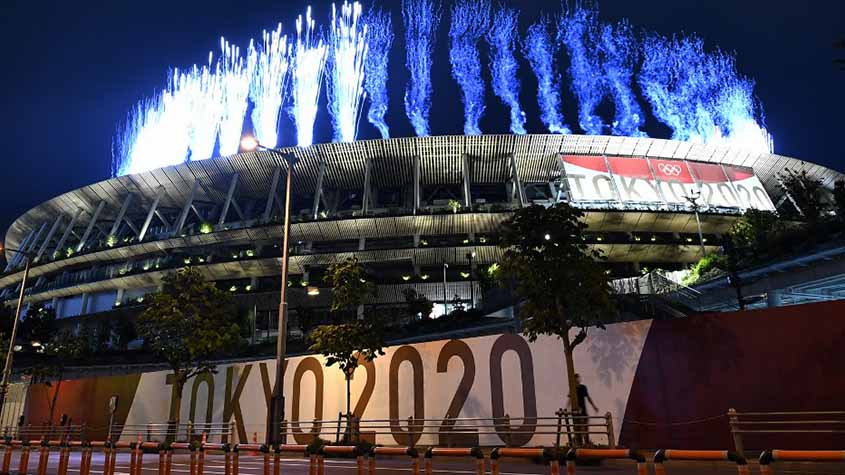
(693, 199)
(276, 409)
(470, 255)
(445, 298)
(7, 369)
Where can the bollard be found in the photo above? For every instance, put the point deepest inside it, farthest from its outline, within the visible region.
(662, 456)
(546, 454)
(605, 454)
(769, 456)
(23, 463)
(453, 452)
(611, 439)
(64, 457)
(7, 455)
(87, 455)
(733, 422)
(43, 457)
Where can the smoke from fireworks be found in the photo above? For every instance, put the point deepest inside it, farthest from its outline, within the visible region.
(346, 70)
(421, 18)
(541, 52)
(379, 41)
(267, 90)
(698, 93)
(235, 77)
(503, 66)
(577, 29)
(619, 55)
(470, 21)
(309, 62)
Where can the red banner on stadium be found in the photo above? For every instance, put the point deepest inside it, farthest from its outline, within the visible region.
(647, 181)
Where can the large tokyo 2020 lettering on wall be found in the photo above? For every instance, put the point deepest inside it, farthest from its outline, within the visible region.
(666, 383)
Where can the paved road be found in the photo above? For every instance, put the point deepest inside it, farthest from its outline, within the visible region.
(253, 465)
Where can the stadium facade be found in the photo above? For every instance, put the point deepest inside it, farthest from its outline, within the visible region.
(418, 212)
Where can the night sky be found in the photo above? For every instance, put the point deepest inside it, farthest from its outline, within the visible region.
(75, 68)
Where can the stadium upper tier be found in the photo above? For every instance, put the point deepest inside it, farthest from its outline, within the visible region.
(396, 188)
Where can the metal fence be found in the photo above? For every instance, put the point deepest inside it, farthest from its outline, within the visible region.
(784, 422)
(562, 429)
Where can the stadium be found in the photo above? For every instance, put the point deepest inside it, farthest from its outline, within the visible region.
(419, 213)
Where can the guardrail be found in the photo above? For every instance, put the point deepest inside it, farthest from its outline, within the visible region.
(564, 428)
(169, 431)
(45, 431)
(365, 459)
(784, 422)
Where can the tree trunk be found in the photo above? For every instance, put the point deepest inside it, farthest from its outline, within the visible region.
(570, 373)
(176, 408)
(54, 399)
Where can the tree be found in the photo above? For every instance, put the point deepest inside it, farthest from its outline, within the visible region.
(123, 333)
(419, 307)
(754, 232)
(804, 192)
(188, 323)
(839, 198)
(349, 339)
(558, 277)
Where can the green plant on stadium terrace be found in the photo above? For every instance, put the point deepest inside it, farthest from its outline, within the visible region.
(349, 339)
(559, 278)
(454, 205)
(188, 323)
(805, 193)
(709, 266)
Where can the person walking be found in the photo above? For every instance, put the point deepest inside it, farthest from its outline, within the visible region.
(580, 415)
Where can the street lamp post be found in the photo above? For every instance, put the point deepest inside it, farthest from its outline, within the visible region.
(445, 298)
(276, 409)
(7, 369)
(470, 255)
(693, 199)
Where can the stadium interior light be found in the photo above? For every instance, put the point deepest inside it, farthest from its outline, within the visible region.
(313, 291)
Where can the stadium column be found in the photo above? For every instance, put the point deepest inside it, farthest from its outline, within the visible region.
(271, 194)
(120, 214)
(517, 182)
(15, 258)
(416, 184)
(183, 216)
(230, 200)
(90, 227)
(49, 238)
(365, 202)
(68, 230)
(318, 191)
(467, 182)
(151, 213)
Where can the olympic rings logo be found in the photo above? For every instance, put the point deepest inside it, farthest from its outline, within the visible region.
(669, 169)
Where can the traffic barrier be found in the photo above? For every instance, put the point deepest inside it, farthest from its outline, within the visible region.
(294, 449)
(575, 455)
(191, 447)
(340, 450)
(769, 456)
(433, 452)
(375, 452)
(662, 456)
(222, 447)
(546, 454)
